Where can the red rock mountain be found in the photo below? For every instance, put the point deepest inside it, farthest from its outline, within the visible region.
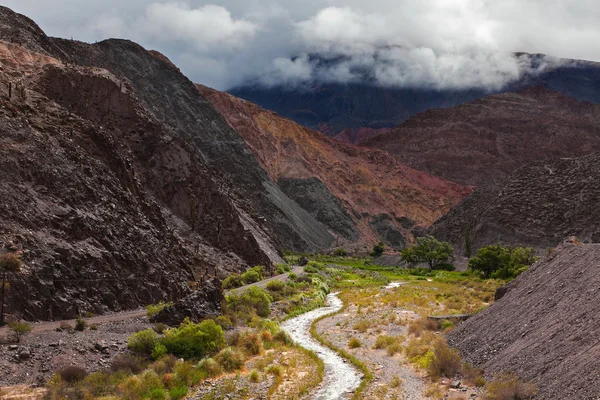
(360, 194)
(487, 139)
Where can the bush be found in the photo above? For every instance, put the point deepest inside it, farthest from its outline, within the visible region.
(354, 343)
(93, 327)
(250, 276)
(230, 359)
(362, 326)
(378, 250)
(254, 376)
(143, 342)
(72, 374)
(209, 367)
(154, 309)
(393, 349)
(224, 322)
(254, 298)
(310, 270)
(160, 328)
(80, 324)
(507, 386)
(192, 340)
(178, 393)
(250, 342)
(502, 262)
(10, 262)
(316, 265)
(159, 351)
(339, 252)
(158, 394)
(446, 361)
(383, 341)
(282, 268)
(446, 324)
(232, 281)
(275, 286)
(128, 363)
(431, 251)
(19, 329)
(274, 370)
(65, 326)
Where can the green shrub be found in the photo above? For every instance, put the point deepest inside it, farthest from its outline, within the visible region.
(378, 250)
(224, 322)
(158, 351)
(158, 394)
(80, 324)
(502, 262)
(232, 281)
(431, 251)
(316, 265)
(339, 252)
(178, 393)
(292, 276)
(154, 309)
(275, 286)
(143, 342)
(310, 270)
(250, 276)
(192, 340)
(230, 359)
(253, 298)
(446, 324)
(19, 329)
(282, 268)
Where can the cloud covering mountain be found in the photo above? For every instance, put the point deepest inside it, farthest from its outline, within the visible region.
(430, 43)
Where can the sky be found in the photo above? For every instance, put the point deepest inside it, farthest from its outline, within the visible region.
(406, 43)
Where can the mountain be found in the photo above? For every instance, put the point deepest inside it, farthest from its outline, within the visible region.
(487, 139)
(335, 107)
(361, 195)
(543, 328)
(538, 205)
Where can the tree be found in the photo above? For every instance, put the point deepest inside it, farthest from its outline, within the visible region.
(9, 262)
(378, 249)
(429, 250)
(19, 329)
(502, 262)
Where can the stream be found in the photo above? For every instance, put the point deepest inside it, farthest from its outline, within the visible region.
(340, 377)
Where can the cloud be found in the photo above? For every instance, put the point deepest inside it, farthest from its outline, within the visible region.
(432, 43)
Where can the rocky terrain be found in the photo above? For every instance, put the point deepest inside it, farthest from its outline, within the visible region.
(538, 205)
(488, 139)
(344, 109)
(545, 326)
(361, 195)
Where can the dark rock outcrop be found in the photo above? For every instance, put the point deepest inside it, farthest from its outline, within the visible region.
(196, 306)
(545, 328)
(538, 205)
(387, 232)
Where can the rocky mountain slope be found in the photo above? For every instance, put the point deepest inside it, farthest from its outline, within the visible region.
(545, 327)
(487, 139)
(361, 195)
(335, 107)
(538, 205)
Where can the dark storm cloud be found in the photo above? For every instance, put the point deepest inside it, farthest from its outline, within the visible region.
(433, 43)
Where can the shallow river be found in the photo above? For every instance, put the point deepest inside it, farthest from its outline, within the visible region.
(340, 377)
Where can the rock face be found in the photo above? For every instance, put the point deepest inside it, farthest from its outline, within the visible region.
(361, 195)
(196, 306)
(353, 111)
(538, 205)
(120, 182)
(545, 327)
(488, 139)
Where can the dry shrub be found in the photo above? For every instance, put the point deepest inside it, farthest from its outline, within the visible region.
(210, 367)
(416, 328)
(230, 359)
(128, 363)
(354, 343)
(250, 342)
(362, 326)
(472, 376)
(507, 386)
(266, 336)
(72, 374)
(446, 362)
(420, 345)
(383, 341)
(393, 349)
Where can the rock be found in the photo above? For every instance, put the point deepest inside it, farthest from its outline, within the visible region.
(13, 347)
(302, 261)
(101, 346)
(24, 353)
(55, 344)
(455, 384)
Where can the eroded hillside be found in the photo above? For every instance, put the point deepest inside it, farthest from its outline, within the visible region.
(357, 193)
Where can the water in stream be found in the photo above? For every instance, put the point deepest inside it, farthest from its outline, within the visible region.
(340, 377)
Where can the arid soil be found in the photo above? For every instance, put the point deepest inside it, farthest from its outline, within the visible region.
(488, 139)
(545, 328)
(361, 195)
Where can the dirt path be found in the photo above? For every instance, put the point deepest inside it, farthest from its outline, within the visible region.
(101, 319)
(340, 378)
(263, 284)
